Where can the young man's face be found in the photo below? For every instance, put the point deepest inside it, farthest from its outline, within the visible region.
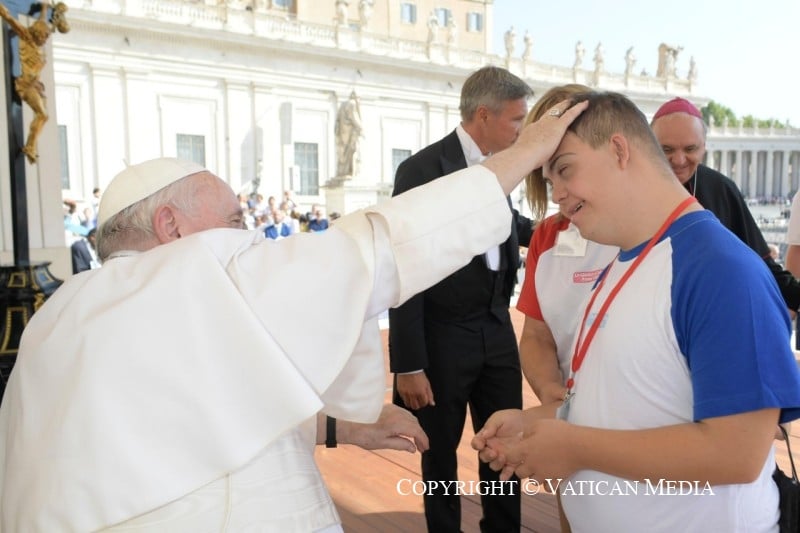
(581, 184)
(502, 129)
(682, 139)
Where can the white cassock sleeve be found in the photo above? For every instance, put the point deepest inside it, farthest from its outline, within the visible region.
(367, 262)
(411, 256)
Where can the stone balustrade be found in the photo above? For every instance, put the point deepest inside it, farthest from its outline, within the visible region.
(262, 22)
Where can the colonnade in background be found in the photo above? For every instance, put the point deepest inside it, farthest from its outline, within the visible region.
(759, 173)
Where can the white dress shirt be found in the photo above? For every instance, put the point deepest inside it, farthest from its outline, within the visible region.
(474, 156)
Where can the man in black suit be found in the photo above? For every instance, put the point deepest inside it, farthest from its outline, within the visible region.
(454, 345)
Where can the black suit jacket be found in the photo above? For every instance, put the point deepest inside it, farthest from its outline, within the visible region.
(81, 258)
(463, 297)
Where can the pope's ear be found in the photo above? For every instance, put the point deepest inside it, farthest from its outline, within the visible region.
(165, 224)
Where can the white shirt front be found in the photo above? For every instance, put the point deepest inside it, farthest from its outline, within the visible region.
(474, 156)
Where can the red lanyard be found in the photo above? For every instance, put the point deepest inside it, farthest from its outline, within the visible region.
(581, 347)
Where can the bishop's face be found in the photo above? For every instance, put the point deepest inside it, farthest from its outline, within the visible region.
(683, 140)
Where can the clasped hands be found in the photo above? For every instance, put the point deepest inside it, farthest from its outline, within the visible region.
(530, 443)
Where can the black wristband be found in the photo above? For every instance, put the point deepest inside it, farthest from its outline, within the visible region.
(330, 432)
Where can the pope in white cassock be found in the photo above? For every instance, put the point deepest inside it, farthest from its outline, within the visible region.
(177, 388)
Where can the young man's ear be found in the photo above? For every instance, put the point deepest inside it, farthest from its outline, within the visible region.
(621, 149)
(165, 224)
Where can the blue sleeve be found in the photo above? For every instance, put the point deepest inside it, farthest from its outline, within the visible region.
(732, 325)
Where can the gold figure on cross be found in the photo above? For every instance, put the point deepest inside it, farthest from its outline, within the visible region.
(32, 58)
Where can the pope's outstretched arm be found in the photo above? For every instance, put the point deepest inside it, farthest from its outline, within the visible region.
(422, 256)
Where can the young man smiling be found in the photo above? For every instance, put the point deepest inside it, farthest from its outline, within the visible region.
(672, 375)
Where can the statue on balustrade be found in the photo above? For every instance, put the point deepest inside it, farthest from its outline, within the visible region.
(579, 52)
(433, 27)
(365, 12)
(452, 32)
(599, 63)
(528, 49)
(692, 77)
(348, 132)
(341, 12)
(630, 62)
(667, 59)
(32, 60)
(510, 37)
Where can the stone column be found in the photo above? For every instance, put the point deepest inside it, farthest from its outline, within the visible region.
(794, 182)
(761, 173)
(729, 160)
(752, 172)
(786, 186)
(748, 179)
(711, 161)
(769, 174)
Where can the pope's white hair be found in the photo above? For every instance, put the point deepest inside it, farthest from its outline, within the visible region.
(132, 228)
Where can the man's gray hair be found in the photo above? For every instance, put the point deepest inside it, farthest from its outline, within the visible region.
(491, 87)
(132, 228)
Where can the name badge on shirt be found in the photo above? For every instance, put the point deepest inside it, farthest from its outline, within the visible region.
(569, 243)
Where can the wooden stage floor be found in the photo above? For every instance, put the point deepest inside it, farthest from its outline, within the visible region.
(364, 483)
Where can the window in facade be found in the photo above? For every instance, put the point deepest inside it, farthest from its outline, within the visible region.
(475, 22)
(444, 15)
(191, 148)
(64, 152)
(408, 13)
(283, 4)
(398, 156)
(306, 157)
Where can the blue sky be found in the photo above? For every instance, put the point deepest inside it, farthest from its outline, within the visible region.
(747, 52)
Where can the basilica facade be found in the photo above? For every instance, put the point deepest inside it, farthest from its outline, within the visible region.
(253, 89)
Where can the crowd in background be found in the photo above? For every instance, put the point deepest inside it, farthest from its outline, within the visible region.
(277, 221)
(284, 219)
(80, 216)
(80, 225)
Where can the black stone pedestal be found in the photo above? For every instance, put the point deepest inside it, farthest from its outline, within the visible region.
(23, 290)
